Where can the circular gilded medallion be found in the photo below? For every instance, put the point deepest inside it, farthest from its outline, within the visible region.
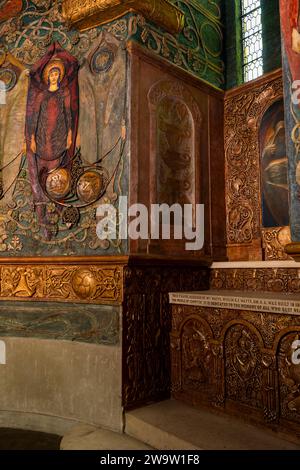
(90, 187)
(58, 183)
(102, 61)
(84, 283)
(8, 79)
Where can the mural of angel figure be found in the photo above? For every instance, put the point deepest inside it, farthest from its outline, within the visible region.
(52, 118)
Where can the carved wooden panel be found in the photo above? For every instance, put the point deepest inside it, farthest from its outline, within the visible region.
(257, 279)
(177, 124)
(146, 328)
(274, 242)
(241, 362)
(289, 379)
(243, 367)
(244, 109)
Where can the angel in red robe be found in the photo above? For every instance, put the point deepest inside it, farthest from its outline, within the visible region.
(51, 119)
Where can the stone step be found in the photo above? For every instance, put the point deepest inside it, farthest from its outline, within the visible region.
(172, 425)
(84, 437)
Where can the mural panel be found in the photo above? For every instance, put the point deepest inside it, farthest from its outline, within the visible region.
(175, 162)
(62, 144)
(290, 25)
(274, 165)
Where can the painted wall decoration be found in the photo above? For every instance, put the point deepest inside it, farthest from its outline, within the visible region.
(51, 126)
(9, 8)
(290, 26)
(175, 162)
(198, 48)
(48, 207)
(274, 163)
(62, 139)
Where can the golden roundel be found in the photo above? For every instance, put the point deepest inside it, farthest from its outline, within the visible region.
(58, 183)
(89, 187)
(84, 283)
(54, 64)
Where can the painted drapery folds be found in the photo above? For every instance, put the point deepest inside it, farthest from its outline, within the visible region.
(9, 8)
(290, 25)
(62, 139)
(51, 125)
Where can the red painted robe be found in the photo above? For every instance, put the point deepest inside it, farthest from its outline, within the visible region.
(290, 20)
(49, 118)
(9, 9)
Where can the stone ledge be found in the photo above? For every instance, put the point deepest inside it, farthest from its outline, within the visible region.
(237, 300)
(172, 425)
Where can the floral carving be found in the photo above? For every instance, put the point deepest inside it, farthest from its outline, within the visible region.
(243, 111)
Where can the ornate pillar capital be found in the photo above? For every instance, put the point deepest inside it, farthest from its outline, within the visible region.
(88, 14)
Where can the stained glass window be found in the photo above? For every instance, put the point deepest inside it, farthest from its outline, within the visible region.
(251, 19)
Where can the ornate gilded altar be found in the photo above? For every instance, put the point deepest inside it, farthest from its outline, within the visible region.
(238, 353)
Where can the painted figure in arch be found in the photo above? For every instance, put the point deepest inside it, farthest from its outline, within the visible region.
(52, 118)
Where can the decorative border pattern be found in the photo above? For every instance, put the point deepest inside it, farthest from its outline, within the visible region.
(65, 283)
(91, 13)
(197, 48)
(285, 280)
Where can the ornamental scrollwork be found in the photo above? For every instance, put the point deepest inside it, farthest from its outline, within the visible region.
(244, 110)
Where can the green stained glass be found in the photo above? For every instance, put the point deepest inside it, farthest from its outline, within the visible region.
(252, 40)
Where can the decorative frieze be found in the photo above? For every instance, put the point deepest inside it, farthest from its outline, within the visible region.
(257, 279)
(67, 283)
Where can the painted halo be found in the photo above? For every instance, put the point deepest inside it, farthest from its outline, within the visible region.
(54, 63)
